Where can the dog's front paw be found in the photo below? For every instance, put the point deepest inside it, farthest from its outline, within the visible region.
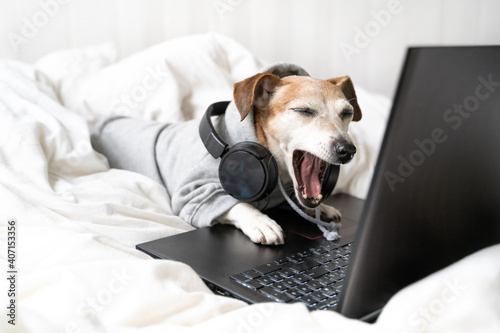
(329, 214)
(257, 226)
(263, 230)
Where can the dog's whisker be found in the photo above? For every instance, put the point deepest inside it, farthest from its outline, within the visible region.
(290, 190)
(301, 159)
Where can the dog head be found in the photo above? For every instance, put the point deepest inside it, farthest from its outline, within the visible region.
(304, 123)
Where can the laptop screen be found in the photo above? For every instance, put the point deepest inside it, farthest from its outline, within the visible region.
(435, 193)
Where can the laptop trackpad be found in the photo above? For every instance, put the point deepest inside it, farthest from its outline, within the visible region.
(292, 222)
(349, 206)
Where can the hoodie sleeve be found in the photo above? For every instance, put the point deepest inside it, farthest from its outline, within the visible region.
(191, 176)
(200, 200)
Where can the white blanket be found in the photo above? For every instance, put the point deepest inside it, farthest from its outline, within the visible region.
(78, 221)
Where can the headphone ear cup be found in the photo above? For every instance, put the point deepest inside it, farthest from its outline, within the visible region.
(248, 172)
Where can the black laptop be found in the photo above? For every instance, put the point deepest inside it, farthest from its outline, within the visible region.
(434, 199)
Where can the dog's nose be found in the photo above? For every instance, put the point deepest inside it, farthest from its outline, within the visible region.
(345, 151)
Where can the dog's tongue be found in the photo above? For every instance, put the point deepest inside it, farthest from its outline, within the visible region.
(309, 171)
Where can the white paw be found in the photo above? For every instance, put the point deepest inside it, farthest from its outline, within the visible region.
(257, 226)
(329, 213)
(263, 230)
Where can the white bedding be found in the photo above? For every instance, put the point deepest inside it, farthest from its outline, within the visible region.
(78, 221)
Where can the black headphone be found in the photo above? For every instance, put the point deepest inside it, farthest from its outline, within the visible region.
(248, 171)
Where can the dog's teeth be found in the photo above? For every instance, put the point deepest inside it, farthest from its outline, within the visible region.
(314, 200)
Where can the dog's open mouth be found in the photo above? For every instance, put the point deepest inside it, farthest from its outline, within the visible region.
(309, 172)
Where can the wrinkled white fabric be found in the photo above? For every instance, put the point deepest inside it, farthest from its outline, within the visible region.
(79, 221)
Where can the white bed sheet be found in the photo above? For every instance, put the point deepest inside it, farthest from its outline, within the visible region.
(79, 221)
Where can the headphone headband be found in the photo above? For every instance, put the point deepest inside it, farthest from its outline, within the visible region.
(215, 145)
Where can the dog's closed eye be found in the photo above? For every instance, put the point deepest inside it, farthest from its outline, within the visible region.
(307, 112)
(346, 113)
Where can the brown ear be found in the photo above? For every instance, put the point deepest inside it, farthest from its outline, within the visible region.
(345, 84)
(256, 90)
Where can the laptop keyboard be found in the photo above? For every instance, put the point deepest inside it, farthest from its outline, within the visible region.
(313, 277)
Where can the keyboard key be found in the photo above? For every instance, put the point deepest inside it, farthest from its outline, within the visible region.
(275, 277)
(332, 256)
(342, 262)
(267, 268)
(324, 258)
(276, 295)
(322, 305)
(314, 285)
(325, 280)
(326, 305)
(333, 306)
(329, 291)
(305, 289)
(281, 261)
(343, 251)
(295, 258)
(286, 272)
(316, 272)
(311, 307)
(251, 274)
(240, 278)
(304, 253)
(336, 275)
(264, 280)
(317, 257)
(281, 287)
(335, 278)
(301, 278)
(252, 284)
(318, 250)
(331, 266)
(308, 300)
(291, 283)
(306, 265)
(284, 297)
(294, 293)
(318, 295)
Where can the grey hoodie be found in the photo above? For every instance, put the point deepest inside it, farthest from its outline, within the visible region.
(174, 155)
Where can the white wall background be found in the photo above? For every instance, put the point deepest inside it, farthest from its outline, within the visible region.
(322, 36)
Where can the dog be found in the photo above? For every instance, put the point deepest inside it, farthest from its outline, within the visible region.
(302, 121)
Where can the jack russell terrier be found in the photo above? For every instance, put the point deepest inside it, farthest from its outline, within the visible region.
(302, 121)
